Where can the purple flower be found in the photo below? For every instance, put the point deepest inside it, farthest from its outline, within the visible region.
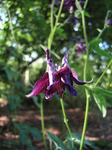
(70, 4)
(81, 48)
(109, 22)
(56, 81)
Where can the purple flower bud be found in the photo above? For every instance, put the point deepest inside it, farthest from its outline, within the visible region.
(109, 22)
(80, 48)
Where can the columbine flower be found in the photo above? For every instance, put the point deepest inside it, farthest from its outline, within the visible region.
(56, 81)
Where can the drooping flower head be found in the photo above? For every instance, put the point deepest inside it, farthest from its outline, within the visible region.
(56, 81)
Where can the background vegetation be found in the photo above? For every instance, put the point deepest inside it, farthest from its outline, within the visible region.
(24, 32)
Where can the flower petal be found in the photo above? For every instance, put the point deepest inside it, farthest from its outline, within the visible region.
(71, 90)
(55, 87)
(40, 86)
(68, 86)
(63, 71)
(76, 80)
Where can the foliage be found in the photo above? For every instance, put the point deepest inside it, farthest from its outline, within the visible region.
(24, 33)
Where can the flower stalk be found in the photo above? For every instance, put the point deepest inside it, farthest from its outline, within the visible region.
(51, 36)
(66, 121)
(42, 124)
(86, 91)
(103, 73)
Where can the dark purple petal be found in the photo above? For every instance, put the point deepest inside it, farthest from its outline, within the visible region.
(63, 71)
(75, 79)
(40, 86)
(47, 54)
(55, 87)
(68, 83)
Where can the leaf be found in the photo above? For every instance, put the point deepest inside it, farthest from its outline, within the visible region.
(94, 44)
(101, 103)
(77, 14)
(104, 92)
(78, 5)
(9, 73)
(61, 32)
(35, 133)
(87, 14)
(99, 30)
(23, 137)
(56, 141)
(76, 140)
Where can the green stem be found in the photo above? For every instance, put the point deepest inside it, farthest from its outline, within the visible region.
(52, 15)
(103, 73)
(85, 4)
(50, 39)
(99, 35)
(86, 91)
(66, 121)
(42, 123)
(85, 120)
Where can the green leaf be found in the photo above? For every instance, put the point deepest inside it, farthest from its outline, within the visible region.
(23, 137)
(103, 53)
(99, 30)
(77, 14)
(78, 5)
(76, 138)
(98, 90)
(35, 133)
(87, 14)
(101, 103)
(59, 144)
(9, 73)
(94, 44)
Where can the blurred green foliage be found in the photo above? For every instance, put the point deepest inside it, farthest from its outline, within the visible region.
(25, 28)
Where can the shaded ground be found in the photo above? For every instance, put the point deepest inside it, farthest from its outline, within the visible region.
(99, 129)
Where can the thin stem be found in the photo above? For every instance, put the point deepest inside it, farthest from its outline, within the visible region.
(85, 4)
(42, 124)
(12, 31)
(52, 15)
(99, 35)
(84, 29)
(86, 91)
(85, 120)
(66, 121)
(50, 39)
(103, 73)
(87, 47)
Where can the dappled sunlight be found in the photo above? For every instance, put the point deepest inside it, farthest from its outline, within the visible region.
(3, 120)
(54, 131)
(92, 138)
(11, 136)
